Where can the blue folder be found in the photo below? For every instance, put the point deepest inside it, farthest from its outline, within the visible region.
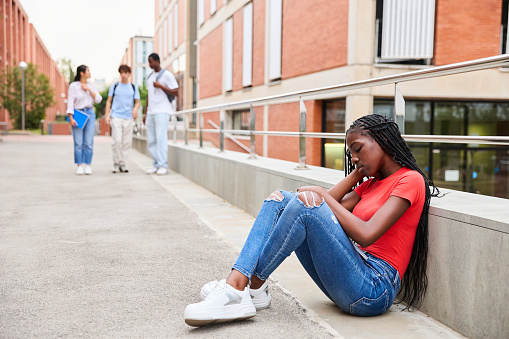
(80, 117)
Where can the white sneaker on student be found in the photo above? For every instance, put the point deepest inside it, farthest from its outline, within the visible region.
(162, 171)
(88, 170)
(261, 296)
(79, 170)
(116, 168)
(151, 170)
(223, 304)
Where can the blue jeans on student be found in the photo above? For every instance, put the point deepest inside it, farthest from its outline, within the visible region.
(157, 138)
(364, 287)
(84, 139)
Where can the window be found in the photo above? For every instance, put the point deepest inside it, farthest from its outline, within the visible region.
(228, 55)
(139, 52)
(149, 50)
(213, 6)
(405, 31)
(159, 33)
(165, 40)
(201, 11)
(139, 76)
(275, 30)
(160, 7)
(475, 168)
(247, 45)
(333, 122)
(170, 34)
(176, 24)
(241, 120)
(504, 36)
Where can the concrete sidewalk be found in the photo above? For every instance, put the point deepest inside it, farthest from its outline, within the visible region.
(110, 255)
(120, 255)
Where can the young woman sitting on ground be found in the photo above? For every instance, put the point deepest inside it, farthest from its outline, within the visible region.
(385, 216)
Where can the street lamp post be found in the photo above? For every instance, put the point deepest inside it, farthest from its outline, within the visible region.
(23, 66)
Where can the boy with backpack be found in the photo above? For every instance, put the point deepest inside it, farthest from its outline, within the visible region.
(123, 103)
(162, 88)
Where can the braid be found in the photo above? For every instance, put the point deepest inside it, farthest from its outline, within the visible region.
(386, 133)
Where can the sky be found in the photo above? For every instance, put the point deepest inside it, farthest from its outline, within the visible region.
(93, 32)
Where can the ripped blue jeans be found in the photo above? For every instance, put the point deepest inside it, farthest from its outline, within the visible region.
(360, 285)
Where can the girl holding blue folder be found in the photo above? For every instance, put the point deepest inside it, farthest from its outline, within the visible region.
(82, 96)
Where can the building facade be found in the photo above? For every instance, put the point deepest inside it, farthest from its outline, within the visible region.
(174, 41)
(136, 57)
(19, 41)
(256, 48)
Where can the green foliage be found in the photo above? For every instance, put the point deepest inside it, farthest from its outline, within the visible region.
(143, 96)
(100, 108)
(66, 66)
(38, 95)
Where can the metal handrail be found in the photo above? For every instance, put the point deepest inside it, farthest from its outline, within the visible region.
(432, 72)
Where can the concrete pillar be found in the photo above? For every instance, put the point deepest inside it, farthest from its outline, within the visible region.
(361, 56)
(357, 105)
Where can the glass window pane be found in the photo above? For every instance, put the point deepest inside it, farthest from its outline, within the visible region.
(334, 149)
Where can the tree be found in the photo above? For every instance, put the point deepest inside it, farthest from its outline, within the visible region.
(66, 66)
(100, 108)
(38, 95)
(143, 96)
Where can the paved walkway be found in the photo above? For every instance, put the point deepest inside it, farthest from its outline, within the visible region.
(109, 256)
(120, 255)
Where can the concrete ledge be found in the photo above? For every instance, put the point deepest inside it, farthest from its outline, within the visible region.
(469, 234)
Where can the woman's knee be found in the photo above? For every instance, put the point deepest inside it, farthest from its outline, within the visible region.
(279, 196)
(310, 199)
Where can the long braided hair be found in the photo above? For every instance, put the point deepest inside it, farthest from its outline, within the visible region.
(386, 133)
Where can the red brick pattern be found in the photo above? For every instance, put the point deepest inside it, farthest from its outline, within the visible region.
(258, 42)
(19, 41)
(211, 64)
(237, 50)
(315, 36)
(466, 30)
(182, 21)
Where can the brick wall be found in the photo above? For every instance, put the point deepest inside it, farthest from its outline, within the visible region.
(211, 64)
(315, 36)
(19, 41)
(258, 42)
(237, 50)
(466, 30)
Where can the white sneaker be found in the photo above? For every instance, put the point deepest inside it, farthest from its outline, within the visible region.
(261, 296)
(79, 170)
(116, 168)
(162, 171)
(223, 304)
(88, 170)
(151, 170)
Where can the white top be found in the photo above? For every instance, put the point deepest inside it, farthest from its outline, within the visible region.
(157, 99)
(79, 99)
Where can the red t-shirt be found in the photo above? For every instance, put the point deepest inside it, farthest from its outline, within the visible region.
(396, 244)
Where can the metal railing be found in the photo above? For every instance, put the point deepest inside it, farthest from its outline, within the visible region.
(320, 93)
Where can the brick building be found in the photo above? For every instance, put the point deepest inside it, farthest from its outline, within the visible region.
(174, 37)
(255, 48)
(19, 41)
(136, 56)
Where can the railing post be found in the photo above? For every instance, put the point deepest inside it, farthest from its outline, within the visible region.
(221, 130)
(174, 118)
(252, 153)
(200, 121)
(302, 138)
(186, 130)
(399, 109)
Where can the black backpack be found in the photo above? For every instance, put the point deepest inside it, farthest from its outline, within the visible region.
(170, 97)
